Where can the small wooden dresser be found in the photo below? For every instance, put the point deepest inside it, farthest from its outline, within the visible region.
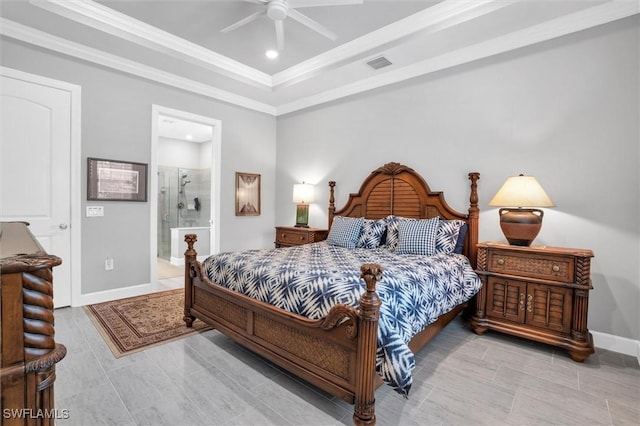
(28, 349)
(287, 236)
(539, 293)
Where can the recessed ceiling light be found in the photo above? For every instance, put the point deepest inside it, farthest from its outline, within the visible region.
(271, 54)
(189, 137)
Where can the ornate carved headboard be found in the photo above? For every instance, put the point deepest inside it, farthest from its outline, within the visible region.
(397, 189)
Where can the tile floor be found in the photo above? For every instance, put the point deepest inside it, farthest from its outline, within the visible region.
(460, 379)
(167, 270)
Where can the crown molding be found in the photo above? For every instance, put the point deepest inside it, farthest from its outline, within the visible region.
(435, 18)
(102, 18)
(45, 40)
(578, 21)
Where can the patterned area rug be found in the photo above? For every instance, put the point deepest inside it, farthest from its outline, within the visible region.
(137, 323)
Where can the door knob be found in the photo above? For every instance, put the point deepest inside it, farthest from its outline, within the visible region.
(63, 226)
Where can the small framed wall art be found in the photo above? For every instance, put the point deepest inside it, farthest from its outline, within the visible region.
(112, 180)
(247, 194)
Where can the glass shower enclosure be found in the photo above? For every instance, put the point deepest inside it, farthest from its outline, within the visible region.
(184, 205)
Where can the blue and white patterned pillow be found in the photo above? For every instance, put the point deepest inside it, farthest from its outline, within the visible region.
(391, 241)
(371, 234)
(345, 231)
(448, 233)
(418, 236)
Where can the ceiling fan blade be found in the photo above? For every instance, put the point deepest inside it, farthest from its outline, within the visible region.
(256, 1)
(242, 22)
(314, 3)
(304, 20)
(280, 35)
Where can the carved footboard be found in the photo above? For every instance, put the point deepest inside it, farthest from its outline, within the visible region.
(335, 353)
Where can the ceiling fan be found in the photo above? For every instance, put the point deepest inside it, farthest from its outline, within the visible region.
(279, 10)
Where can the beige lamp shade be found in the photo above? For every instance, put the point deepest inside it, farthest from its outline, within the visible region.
(303, 193)
(521, 191)
(521, 225)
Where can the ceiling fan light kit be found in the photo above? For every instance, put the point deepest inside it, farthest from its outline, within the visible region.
(279, 10)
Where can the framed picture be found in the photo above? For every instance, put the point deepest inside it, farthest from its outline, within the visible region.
(247, 194)
(111, 180)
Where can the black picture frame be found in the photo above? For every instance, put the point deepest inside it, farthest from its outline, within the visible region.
(115, 180)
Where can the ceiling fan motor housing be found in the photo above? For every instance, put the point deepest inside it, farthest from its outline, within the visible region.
(277, 10)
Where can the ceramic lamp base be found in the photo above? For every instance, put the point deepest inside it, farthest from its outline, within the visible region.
(302, 216)
(520, 226)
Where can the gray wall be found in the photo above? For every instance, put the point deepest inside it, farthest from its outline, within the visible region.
(565, 111)
(116, 124)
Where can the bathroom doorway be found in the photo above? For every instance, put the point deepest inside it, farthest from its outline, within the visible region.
(185, 175)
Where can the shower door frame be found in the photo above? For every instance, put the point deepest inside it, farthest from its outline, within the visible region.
(216, 162)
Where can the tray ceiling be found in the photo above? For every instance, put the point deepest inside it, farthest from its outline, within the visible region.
(179, 43)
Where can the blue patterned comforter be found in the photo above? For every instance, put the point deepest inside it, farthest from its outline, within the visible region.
(309, 279)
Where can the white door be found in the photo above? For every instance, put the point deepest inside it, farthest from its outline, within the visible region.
(35, 176)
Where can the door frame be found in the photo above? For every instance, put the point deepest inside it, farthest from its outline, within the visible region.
(75, 189)
(216, 164)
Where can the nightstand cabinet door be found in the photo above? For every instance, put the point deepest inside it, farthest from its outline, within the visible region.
(549, 307)
(506, 299)
(538, 293)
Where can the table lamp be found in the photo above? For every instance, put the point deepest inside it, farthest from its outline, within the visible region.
(302, 195)
(519, 219)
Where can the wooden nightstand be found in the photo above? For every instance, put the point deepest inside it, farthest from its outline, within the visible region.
(287, 236)
(539, 293)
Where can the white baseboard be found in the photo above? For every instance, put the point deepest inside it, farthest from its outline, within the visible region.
(118, 293)
(615, 343)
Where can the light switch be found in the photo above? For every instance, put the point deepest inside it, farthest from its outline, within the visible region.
(95, 211)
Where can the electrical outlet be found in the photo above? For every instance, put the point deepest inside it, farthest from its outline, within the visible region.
(108, 264)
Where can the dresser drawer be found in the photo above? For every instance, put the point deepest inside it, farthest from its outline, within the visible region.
(548, 267)
(293, 237)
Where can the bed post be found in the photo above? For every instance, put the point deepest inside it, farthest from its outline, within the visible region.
(332, 202)
(474, 213)
(364, 404)
(190, 257)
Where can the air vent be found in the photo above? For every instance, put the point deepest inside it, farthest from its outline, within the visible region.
(379, 62)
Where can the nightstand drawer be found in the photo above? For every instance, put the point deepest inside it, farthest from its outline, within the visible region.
(292, 237)
(287, 236)
(547, 267)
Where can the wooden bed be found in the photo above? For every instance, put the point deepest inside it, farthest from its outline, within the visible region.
(335, 353)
